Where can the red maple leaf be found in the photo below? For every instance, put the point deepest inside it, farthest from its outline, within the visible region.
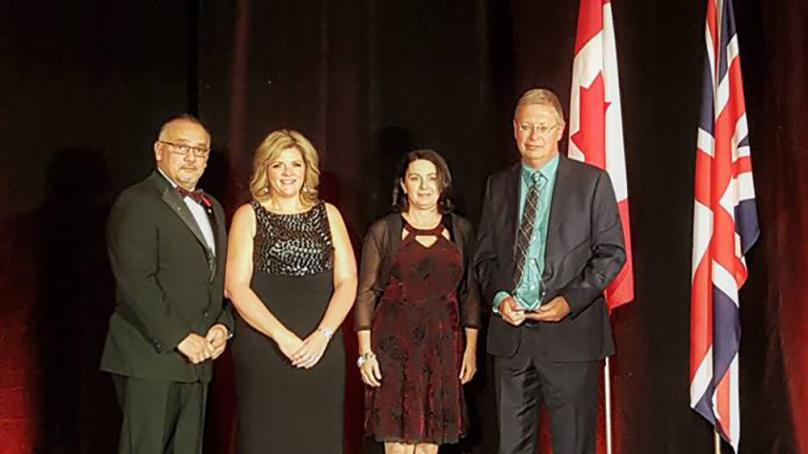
(591, 135)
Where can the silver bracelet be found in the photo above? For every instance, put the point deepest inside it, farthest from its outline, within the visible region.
(365, 357)
(326, 332)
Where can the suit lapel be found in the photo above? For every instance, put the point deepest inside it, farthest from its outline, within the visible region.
(178, 207)
(555, 222)
(510, 215)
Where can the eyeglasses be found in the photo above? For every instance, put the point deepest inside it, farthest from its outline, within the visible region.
(543, 130)
(183, 149)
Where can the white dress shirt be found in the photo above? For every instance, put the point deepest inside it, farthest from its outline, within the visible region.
(201, 217)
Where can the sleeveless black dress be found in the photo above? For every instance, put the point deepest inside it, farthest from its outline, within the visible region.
(283, 409)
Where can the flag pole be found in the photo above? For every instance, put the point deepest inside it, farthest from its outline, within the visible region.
(607, 393)
(716, 441)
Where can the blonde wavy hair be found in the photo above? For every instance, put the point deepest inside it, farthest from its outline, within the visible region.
(270, 149)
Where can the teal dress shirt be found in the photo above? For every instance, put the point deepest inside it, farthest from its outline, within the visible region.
(528, 291)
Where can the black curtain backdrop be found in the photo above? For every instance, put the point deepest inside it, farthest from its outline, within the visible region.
(85, 87)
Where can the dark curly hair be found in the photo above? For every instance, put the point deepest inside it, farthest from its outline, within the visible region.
(400, 202)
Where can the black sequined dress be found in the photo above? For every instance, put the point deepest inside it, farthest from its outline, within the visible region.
(282, 408)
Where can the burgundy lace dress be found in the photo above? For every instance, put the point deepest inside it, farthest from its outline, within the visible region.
(417, 336)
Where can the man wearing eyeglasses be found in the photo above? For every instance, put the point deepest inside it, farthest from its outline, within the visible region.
(167, 248)
(549, 242)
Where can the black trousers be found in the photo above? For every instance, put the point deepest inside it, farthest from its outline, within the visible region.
(568, 389)
(160, 416)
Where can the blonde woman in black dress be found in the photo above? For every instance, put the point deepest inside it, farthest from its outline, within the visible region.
(291, 274)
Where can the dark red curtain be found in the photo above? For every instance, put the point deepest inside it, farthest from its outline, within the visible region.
(84, 89)
(774, 359)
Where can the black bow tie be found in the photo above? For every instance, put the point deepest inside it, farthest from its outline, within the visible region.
(197, 195)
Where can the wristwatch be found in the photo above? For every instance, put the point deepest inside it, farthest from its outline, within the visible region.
(365, 357)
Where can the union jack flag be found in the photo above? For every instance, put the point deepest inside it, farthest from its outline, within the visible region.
(725, 227)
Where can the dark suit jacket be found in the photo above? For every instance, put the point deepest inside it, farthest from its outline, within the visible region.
(168, 283)
(584, 254)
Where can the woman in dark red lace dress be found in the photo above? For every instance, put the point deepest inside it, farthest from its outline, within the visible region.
(417, 314)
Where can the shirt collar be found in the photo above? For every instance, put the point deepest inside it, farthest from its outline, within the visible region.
(548, 170)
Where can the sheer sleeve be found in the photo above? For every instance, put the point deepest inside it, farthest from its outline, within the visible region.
(370, 274)
(469, 292)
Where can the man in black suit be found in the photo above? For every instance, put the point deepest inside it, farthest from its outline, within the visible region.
(167, 247)
(550, 241)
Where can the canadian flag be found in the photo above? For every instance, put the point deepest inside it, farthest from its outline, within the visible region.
(596, 125)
